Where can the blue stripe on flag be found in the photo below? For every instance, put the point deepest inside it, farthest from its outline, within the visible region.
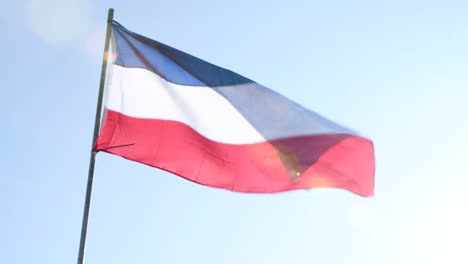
(134, 50)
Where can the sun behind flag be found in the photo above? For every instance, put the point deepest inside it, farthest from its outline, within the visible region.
(173, 111)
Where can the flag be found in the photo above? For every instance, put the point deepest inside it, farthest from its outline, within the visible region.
(173, 111)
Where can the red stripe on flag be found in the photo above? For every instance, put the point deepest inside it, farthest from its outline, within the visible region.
(257, 168)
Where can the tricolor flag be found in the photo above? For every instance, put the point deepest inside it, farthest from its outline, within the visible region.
(170, 110)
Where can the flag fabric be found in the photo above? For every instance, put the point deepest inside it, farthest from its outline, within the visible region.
(170, 110)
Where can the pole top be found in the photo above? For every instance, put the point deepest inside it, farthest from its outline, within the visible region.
(110, 15)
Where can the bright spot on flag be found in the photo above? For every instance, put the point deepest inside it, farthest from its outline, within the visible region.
(319, 181)
(111, 56)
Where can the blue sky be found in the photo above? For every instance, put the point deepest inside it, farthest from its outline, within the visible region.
(396, 71)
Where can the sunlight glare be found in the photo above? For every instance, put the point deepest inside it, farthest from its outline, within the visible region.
(58, 21)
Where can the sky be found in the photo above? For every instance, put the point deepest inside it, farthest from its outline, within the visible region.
(396, 71)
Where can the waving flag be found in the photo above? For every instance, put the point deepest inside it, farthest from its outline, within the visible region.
(173, 111)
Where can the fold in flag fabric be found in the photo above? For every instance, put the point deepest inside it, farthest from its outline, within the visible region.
(170, 110)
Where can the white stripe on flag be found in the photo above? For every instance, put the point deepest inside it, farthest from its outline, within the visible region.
(140, 93)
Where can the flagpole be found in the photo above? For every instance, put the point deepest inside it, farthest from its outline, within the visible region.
(97, 121)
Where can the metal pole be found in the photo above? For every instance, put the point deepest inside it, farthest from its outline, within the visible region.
(89, 187)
